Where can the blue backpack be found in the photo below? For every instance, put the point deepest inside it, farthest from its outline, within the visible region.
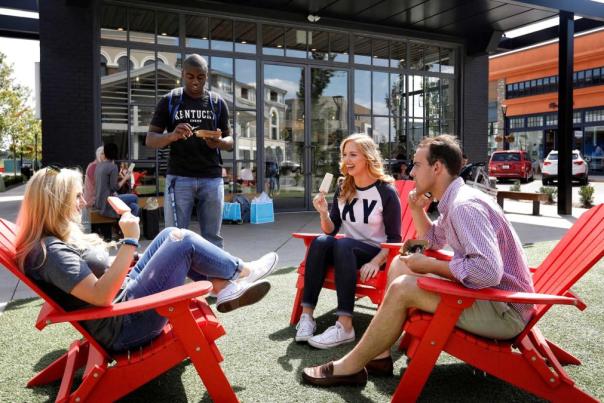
(175, 100)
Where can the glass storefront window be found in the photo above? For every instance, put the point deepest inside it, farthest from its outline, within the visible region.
(381, 89)
(167, 29)
(447, 61)
(395, 108)
(196, 31)
(245, 37)
(221, 34)
(142, 77)
(273, 40)
(295, 42)
(362, 92)
(168, 72)
(113, 23)
(594, 149)
(318, 45)
(140, 117)
(245, 84)
(362, 50)
(398, 54)
(221, 78)
(141, 25)
(380, 52)
(338, 45)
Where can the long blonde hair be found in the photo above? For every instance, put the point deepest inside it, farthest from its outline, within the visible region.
(375, 165)
(49, 208)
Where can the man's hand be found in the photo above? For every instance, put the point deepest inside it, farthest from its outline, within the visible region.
(417, 263)
(369, 270)
(213, 143)
(418, 201)
(182, 132)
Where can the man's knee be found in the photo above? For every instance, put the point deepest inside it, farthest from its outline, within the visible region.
(402, 289)
(397, 269)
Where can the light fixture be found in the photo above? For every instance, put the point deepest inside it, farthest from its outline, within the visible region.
(244, 42)
(120, 28)
(164, 34)
(313, 18)
(279, 46)
(313, 50)
(205, 38)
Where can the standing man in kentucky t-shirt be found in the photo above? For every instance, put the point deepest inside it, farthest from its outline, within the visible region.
(195, 165)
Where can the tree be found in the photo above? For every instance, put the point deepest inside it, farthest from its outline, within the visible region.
(20, 131)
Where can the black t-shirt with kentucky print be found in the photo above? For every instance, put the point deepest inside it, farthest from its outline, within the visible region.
(192, 157)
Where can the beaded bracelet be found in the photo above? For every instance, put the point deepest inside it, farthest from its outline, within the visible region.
(129, 241)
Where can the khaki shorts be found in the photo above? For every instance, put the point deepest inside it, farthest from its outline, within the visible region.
(492, 319)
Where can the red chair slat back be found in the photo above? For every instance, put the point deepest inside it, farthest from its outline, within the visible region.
(403, 187)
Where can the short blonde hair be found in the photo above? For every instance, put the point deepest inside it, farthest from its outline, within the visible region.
(49, 208)
(375, 165)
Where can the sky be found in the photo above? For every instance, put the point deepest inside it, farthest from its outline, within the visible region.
(22, 54)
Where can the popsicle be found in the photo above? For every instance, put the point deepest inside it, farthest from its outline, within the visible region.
(324, 188)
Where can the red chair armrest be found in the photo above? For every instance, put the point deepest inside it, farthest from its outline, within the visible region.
(153, 301)
(450, 288)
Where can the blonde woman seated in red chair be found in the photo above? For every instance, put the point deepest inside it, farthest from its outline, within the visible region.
(367, 210)
(76, 270)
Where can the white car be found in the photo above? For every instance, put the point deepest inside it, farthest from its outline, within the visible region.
(549, 172)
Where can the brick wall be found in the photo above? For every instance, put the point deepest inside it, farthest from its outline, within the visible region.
(68, 90)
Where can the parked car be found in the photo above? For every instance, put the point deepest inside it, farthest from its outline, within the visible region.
(511, 164)
(549, 172)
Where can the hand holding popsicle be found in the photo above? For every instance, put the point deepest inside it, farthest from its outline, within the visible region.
(326, 184)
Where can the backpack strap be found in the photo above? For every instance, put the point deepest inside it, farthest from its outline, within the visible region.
(216, 106)
(174, 101)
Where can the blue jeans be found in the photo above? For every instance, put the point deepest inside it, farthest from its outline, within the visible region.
(206, 193)
(165, 264)
(132, 201)
(347, 255)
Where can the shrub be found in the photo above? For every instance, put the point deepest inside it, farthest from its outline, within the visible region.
(586, 194)
(516, 186)
(550, 191)
(10, 180)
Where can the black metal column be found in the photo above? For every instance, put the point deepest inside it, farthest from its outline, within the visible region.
(565, 111)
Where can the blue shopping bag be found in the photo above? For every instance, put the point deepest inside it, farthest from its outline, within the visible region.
(262, 213)
(231, 212)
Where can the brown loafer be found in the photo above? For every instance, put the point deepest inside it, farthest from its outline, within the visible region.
(323, 376)
(380, 366)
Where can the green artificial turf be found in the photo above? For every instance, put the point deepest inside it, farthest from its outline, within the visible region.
(263, 363)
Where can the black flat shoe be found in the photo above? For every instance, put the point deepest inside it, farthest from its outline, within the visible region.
(380, 366)
(323, 376)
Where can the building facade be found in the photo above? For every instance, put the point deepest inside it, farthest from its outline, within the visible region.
(523, 99)
(294, 90)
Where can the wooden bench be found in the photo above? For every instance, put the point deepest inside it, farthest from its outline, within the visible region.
(536, 198)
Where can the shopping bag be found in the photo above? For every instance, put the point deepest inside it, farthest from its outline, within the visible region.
(232, 212)
(262, 213)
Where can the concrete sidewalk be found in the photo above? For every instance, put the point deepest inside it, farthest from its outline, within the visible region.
(249, 241)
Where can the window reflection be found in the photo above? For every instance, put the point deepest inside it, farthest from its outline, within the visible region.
(141, 24)
(113, 23)
(221, 34)
(196, 31)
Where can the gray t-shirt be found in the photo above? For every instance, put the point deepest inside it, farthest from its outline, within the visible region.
(65, 267)
(105, 180)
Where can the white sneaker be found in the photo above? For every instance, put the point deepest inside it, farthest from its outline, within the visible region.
(261, 268)
(236, 295)
(332, 337)
(305, 328)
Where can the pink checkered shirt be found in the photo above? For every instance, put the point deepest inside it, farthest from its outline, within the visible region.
(487, 251)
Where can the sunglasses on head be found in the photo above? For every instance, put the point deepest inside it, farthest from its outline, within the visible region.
(52, 169)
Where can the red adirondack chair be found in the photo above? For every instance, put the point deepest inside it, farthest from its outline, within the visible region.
(529, 361)
(190, 332)
(374, 288)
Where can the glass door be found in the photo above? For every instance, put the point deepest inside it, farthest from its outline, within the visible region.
(284, 134)
(328, 124)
